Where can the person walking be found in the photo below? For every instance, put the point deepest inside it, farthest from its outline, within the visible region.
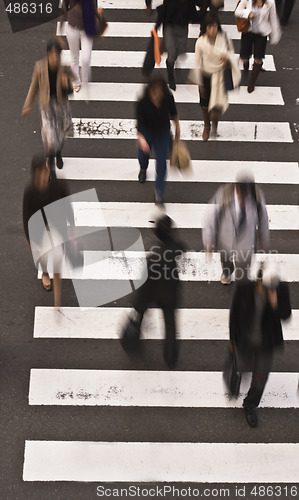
(81, 28)
(255, 330)
(46, 229)
(235, 224)
(284, 9)
(175, 16)
(154, 111)
(263, 22)
(213, 53)
(161, 288)
(52, 82)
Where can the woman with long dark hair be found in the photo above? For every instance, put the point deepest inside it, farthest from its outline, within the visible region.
(154, 111)
(263, 22)
(52, 82)
(81, 28)
(213, 52)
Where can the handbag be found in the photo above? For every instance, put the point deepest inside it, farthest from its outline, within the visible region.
(228, 77)
(100, 24)
(231, 377)
(242, 24)
(180, 156)
(153, 54)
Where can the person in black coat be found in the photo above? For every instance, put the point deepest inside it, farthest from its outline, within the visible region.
(45, 222)
(162, 286)
(255, 329)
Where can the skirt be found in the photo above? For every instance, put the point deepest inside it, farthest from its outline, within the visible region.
(56, 126)
(175, 40)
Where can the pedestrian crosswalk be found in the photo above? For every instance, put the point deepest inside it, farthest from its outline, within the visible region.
(142, 388)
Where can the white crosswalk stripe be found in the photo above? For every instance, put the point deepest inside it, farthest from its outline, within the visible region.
(134, 59)
(144, 388)
(125, 169)
(107, 323)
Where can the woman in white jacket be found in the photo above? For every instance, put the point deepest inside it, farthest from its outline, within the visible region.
(263, 22)
(213, 51)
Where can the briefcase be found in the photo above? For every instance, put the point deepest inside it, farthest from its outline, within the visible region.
(231, 377)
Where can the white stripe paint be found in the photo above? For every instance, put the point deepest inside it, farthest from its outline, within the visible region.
(134, 59)
(194, 266)
(148, 462)
(142, 30)
(117, 128)
(126, 169)
(131, 92)
(107, 323)
(185, 215)
(179, 389)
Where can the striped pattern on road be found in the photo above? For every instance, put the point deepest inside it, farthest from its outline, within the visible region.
(107, 323)
(134, 59)
(131, 92)
(194, 266)
(143, 30)
(126, 169)
(117, 128)
(165, 462)
(179, 389)
(185, 215)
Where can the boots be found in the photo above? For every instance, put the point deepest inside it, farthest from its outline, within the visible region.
(256, 68)
(215, 115)
(51, 165)
(207, 124)
(170, 73)
(246, 66)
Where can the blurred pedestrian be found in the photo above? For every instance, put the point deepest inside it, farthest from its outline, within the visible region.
(81, 28)
(154, 111)
(214, 53)
(175, 16)
(284, 9)
(52, 82)
(255, 330)
(46, 228)
(161, 287)
(236, 223)
(263, 23)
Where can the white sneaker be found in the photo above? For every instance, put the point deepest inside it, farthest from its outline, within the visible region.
(225, 280)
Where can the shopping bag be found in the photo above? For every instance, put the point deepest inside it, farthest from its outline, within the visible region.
(228, 77)
(180, 156)
(231, 377)
(153, 54)
(101, 25)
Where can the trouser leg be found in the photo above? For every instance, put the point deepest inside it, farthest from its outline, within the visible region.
(215, 115)
(207, 123)
(227, 262)
(73, 38)
(161, 146)
(86, 48)
(170, 343)
(261, 369)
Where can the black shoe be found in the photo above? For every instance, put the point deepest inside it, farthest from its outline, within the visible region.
(59, 161)
(251, 416)
(142, 176)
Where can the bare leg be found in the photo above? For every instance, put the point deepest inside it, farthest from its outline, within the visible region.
(57, 289)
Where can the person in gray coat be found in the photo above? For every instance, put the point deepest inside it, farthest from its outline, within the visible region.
(235, 223)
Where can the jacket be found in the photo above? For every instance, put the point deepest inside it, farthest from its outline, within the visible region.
(268, 22)
(178, 13)
(40, 85)
(220, 225)
(242, 313)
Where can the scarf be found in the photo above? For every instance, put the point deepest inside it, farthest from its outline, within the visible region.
(88, 17)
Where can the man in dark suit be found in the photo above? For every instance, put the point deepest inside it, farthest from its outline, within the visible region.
(255, 330)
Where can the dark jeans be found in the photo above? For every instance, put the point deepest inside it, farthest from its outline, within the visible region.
(161, 143)
(261, 363)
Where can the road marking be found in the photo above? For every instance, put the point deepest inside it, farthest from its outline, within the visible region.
(185, 215)
(131, 92)
(107, 323)
(142, 30)
(126, 169)
(134, 59)
(117, 128)
(127, 265)
(179, 389)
